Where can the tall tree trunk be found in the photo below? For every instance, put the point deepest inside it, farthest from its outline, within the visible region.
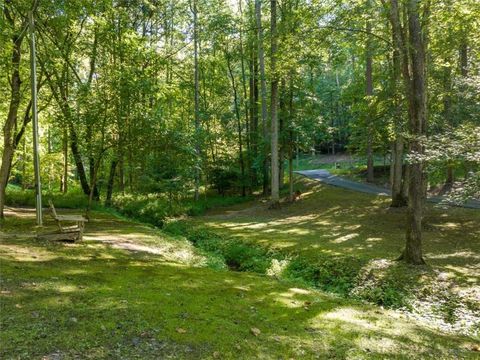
(369, 93)
(281, 130)
(399, 182)
(246, 109)
(239, 124)
(263, 92)
(253, 93)
(447, 80)
(412, 49)
(64, 186)
(91, 162)
(275, 194)
(398, 197)
(77, 157)
(110, 183)
(11, 121)
(196, 104)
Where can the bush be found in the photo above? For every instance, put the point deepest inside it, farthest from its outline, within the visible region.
(331, 273)
(74, 199)
(224, 179)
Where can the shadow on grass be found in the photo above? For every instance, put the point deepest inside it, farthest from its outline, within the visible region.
(85, 300)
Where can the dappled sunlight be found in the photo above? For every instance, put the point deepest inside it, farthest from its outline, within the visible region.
(299, 291)
(380, 345)
(462, 254)
(344, 238)
(24, 253)
(133, 270)
(347, 315)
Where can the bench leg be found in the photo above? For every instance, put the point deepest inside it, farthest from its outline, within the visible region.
(59, 225)
(81, 226)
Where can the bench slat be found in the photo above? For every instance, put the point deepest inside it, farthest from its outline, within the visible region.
(70, 218)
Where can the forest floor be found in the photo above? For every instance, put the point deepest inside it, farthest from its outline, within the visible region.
(359, 231)
(133, 292)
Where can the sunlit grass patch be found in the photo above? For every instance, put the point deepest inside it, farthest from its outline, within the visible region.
(94, 301)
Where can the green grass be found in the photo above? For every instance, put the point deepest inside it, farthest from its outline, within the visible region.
(343, 241)
(93, 300)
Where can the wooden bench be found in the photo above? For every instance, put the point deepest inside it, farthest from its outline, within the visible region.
(66, 232)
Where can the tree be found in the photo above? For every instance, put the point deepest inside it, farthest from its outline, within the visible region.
(275, 192)
(410, 42)
(263, 91)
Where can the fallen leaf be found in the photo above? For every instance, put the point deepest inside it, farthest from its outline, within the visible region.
(181, 331)
(216, 355)
(255, 331)
(18, 306)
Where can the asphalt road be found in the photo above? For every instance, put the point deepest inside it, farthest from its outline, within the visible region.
(326, 177)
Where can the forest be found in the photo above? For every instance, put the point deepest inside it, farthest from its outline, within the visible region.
(256, 179)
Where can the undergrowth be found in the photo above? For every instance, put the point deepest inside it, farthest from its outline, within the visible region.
(152, 208)
(342, 275)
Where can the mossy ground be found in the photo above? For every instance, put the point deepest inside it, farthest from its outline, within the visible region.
(329, 220)
(351, 240)
(90, 300)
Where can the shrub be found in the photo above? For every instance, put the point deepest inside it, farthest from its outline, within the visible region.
(74, 199)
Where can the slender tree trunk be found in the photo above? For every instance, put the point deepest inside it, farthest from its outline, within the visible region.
(64, 187)
(239, 124)
(290, 166)
(91, 162)
(281, 130)
(275, 194)
(369, 93)
(253, 115)
(447, 186)
(399, 183)
(77, 157)
(110, 183)
(246, 109)
(263, 92)
(196, 104)
(24, 164)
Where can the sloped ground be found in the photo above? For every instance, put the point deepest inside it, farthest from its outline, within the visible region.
(329, 221)
(91, 300)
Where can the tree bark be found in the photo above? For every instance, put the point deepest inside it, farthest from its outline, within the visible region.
(253, 93)
(275, 193)
(239, 124)
(110, 183)
(64, 185)
(412, 51)
(281, 133)
(11, 121)
(369, 93)
(417, 124)
(263, 92)
(398, 198)
(196, 104)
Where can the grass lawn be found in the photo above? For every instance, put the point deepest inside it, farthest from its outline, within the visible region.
(342, 222)
(96, 299)
(338, 223)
